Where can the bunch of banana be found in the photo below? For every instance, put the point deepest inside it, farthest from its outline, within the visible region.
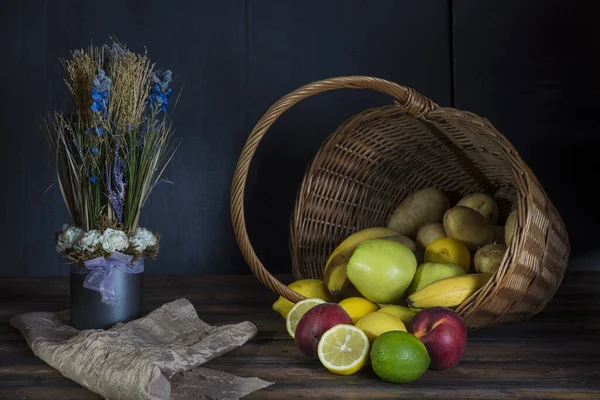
(334, 274)
(449, 292)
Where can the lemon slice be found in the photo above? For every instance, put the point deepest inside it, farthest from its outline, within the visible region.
(343, 349)
(299, 309)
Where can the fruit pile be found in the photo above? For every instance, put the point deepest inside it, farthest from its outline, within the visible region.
(388, 293)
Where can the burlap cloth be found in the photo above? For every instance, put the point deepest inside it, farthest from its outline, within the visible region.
(154, 357)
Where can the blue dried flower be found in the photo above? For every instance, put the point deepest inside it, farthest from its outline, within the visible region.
(94, 179)
(97, 107)
(163, 79)
(101, 82)
(100, 89)
(95, 150)
(161, 92)
(99, 131)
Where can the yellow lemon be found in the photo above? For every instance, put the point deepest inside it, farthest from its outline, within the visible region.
(401, 312)
(343, 349)
(310, 288)
(376, 323)
(448, 250)
(358, 307)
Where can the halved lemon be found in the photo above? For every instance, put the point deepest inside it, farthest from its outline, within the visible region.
(343, 349)
(299, 309)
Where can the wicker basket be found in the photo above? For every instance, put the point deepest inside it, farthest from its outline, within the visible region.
(379, 156)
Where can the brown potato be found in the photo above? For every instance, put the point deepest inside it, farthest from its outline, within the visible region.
(429, 232)
(499, 234)
(404, 240)
(489, 257)
(483, 203)
(422, 206)
(509, 228)
(468, 226)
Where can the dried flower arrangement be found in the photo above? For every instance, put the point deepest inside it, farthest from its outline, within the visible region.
(111, 151)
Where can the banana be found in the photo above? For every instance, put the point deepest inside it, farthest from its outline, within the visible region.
(449, 292)
(344, 250)
(334, 274)
(429, 272)
(336, 279)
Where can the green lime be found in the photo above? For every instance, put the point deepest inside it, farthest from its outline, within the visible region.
(399, 357)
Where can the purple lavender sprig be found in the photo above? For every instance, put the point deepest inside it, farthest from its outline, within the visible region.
(142, 133)
(117, 183)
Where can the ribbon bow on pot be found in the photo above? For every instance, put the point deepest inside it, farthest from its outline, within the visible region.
(101, 277)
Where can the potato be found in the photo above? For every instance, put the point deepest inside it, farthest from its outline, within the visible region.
(483, 203)
(499, 234)
(509, 228)
(468, 226)
(429, 232)
(422, 206)
(405, 240)
(489, 257)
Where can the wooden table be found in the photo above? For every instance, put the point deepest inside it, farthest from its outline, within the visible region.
(555, 354)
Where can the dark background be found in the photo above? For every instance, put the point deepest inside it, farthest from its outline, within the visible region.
(529, 66)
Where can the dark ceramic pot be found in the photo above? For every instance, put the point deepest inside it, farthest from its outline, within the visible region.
(89, 312)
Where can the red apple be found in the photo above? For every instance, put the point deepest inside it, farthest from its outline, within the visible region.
(315, 323)
(443, 333)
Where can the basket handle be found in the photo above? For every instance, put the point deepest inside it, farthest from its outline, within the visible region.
(406, 98)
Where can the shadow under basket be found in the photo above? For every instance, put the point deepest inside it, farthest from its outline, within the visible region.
(89, 312)
(378, 157)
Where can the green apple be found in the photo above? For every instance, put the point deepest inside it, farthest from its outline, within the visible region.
(430, 272)
(381, 270)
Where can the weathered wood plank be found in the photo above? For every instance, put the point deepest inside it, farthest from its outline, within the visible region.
(552, 355)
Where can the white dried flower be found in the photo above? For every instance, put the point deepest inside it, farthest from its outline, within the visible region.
(89, 241)
(114, 240)
(68, 237)
(142, 239)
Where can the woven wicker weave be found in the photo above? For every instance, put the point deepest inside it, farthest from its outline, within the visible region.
(376, 158)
